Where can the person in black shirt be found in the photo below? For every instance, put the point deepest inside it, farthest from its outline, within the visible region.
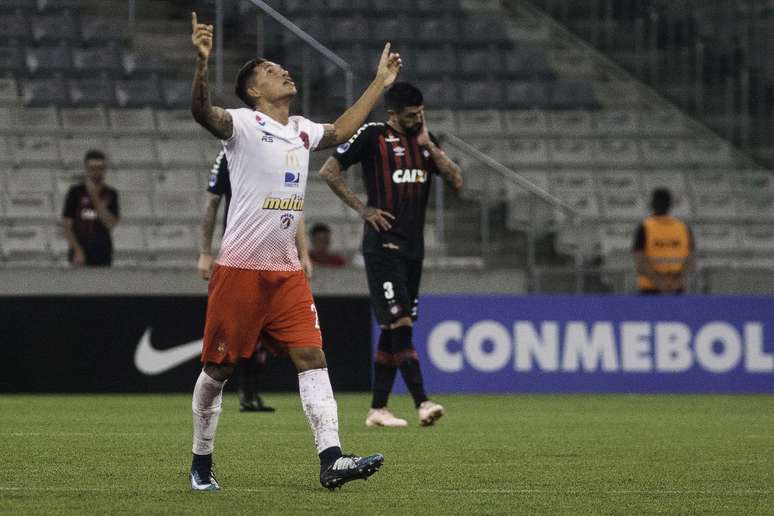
(90, 213)
(398, 160)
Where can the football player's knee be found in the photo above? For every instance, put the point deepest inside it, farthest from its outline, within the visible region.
(219, 372)
(307, 358)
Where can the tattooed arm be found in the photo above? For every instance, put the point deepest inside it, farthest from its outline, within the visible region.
(207, 229)
(447, 169)
(346, 125)
(331, 172)
(215, 119)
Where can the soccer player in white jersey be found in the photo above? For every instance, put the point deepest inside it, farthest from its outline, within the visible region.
(258, 288)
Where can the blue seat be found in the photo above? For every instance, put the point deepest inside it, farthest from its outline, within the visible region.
(46, 6)
(98, 28)
(11, 59)
(60, 27)
(47, 60)
(138, 93)
(91, 92)
(16, 6)
(14, 27)
(97, 60)
(44, 92)
(527, 94)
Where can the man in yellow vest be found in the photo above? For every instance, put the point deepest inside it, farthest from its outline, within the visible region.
(663, 249)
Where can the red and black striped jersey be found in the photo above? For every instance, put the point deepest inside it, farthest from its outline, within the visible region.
(397, 175)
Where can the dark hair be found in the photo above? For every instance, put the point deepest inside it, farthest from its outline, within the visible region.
(243, 80)
(661, 201)
(319, 228)
(402, 95)
(94, 154)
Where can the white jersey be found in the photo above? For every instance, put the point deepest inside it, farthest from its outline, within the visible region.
(268, 166)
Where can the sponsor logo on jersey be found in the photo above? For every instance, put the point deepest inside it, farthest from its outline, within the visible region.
(292, 203)
(392, 139)
(344, 147)
(304, 138)
(267, 138)
(398, 150)
(292, 179)
(409, 175)
(286, 220)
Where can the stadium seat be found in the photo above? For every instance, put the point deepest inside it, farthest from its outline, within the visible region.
(570, 123)
(138, 92)
(616, 122)
(710, 181)
(616, 238)
(480, 94)
(45, 92)
(102, 29)
(91, 92)
(665, 152)
(434, 61)
(526, 151)
(437, 29)
(396, 29)
(178, 122)
(492, 147)
(754, 181)
(666, 123)
(525, 62)
(347, 28)
(57, 244)
(35, 149)
(526, 95)
(35, 119)
(131, 150)
(11, 59)
(177, 94)
(584, 202)
(709, 152)
(5, 151)
(582, 180)
(177, 205)
(713, 206)
(715, 238)
(572, 94)
(755, 207)
(383, 8)
(143, 65)
(438, 92)
(345, 6)
(484, 28)
(58, 27)
(571, 62)
(182, 152)
(623, 206)
(24, 242)
(72, 149)
(674, 180)
(14, 27)
(63, 180)
(6, 120)
(164, 238)
(440, 120)
(84, 120)
(479, 61)
(28, 205)
(531, 122)
(479, 122)
(30, 180)
(9, 90)
(570, 151)
(46, 6)
(129, 180)
(16, 6)
(97, 60)
(757, 238)
(622, 181)
(618, 94)
(177, 180)
(132, 120)
(619, 152)
(135, 205)
(129, 238)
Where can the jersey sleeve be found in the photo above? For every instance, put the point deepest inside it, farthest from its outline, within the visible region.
(639, 239)
(353, 150)
(218, 182)
(316, 132)
(239, 123)
(70, 208)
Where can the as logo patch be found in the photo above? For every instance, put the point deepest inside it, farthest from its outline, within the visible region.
(292, 179)
(286, 220)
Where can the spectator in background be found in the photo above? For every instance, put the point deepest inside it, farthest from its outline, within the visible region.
(663, 249)
(320, 253)
(90, 213)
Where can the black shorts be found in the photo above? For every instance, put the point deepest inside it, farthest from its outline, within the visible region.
(393, 283)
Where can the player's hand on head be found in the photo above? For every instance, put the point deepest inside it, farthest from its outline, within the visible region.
(389, 66)
(423, 138)
(379, 219)
(201, 37)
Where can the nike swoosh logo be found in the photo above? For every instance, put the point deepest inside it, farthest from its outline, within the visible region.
(152, 361)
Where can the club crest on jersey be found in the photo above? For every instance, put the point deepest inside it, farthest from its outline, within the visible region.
(292, 179)
(304, 138)
(260, 121)
(286, 220)
(292, 203)
(399, 151)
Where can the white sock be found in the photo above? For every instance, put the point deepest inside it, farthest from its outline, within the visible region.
(320, 407)
(207, 400)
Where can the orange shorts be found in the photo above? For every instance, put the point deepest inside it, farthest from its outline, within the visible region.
(246, 306)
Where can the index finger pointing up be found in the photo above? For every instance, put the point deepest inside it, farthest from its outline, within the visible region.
(194, 21)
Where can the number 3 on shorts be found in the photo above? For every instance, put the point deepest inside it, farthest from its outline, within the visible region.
(389, 293)
(316, 317)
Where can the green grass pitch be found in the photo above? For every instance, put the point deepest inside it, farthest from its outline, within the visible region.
(489, 455)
